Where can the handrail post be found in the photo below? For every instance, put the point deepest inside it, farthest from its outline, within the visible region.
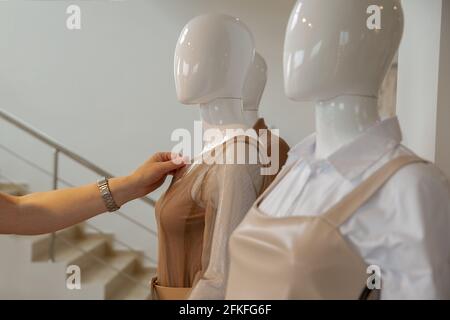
(55, 187)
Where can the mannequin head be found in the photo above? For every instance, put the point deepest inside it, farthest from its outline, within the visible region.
(212, 57)
(330, 51)
(255, 84)
(254, 89)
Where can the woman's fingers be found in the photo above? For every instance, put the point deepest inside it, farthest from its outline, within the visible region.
(171, 165)
(170, 156)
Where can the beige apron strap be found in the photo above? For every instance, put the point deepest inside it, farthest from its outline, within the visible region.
(345, 208)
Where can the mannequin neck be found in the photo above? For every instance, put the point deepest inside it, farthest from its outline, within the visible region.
(251, 116)
(340, 120)
(222, 114)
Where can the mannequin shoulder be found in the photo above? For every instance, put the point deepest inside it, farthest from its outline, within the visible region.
(412, 208)
(282, 143)
(423, 186)
(241, 150)
(228, 179)
(236, 172)
(419, 175)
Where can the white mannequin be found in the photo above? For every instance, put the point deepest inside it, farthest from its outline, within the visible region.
(254, 89)
(213, 55)
(212, 58)
(334, 59)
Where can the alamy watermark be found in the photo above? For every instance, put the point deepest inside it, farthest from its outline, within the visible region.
(374, 280)
(73, 281)
(73, 21)
(374, 20)
(375, 14)
(230, 146)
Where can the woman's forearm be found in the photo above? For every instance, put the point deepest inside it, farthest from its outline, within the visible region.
(46, 212)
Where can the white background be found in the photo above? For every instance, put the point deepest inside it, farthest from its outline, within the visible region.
(107, 91)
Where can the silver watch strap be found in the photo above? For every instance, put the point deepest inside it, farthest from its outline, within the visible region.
(107, 197)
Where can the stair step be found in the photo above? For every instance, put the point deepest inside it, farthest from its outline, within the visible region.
(14, 189)
(111, 274)
(137, 291)
(41, 244)
(82, 252)
(120, 267)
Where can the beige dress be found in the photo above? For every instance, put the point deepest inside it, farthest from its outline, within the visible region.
(196, 216)
(275, 145)
(182, 226)
(303, 257)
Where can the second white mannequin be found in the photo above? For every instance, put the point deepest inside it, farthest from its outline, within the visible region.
(254, 89)
(213, 55)
(333, 214)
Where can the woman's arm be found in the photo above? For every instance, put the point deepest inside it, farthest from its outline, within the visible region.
(46, 212)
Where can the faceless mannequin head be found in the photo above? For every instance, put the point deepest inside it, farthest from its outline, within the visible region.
(331, 51)
(212, 57)
(255, 84)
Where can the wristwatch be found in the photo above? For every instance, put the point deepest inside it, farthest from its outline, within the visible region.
(107, 197)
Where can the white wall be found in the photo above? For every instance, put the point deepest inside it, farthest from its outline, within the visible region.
(443, 113)
(418, 70)
(107, 90)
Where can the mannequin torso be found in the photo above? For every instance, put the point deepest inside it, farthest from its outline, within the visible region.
(333, 59)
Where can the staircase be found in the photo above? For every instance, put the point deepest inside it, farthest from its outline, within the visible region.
(106, 273)
(36, 267)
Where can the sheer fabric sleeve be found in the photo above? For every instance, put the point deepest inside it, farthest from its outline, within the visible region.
(228, 192)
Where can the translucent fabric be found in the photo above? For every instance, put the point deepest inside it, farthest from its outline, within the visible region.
(197, 214)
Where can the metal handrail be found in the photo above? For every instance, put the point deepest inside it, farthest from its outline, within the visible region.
(60, 148)
(68, 184)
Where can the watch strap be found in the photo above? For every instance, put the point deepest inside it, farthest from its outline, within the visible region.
(105, 192)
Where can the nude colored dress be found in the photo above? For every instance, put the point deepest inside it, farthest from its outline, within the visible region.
(277, 144)
(195, 217)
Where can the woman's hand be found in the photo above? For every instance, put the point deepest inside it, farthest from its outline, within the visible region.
(147, 178)
(152, 174)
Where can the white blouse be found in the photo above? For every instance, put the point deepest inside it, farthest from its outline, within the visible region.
(404, 229)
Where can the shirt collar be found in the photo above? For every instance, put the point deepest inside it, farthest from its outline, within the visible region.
(352, 159)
